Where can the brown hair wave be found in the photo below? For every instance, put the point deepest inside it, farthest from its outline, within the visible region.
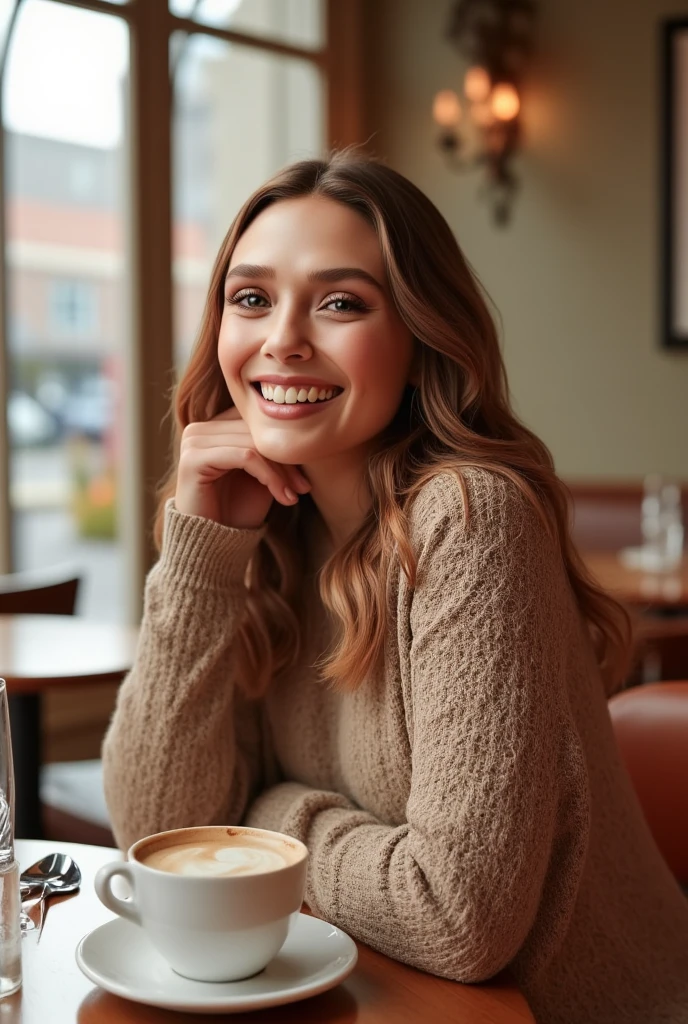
(458, 416)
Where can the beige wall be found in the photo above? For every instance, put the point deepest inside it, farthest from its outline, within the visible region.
(575, 276)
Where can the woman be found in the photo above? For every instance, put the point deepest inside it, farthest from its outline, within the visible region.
(369, 628)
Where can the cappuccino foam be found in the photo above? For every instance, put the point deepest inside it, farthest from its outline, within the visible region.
(227, 857)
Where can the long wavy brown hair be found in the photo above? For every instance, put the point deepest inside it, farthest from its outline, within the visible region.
(458, 416)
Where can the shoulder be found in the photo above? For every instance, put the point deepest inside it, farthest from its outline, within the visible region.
(482, 540)
(472, 503)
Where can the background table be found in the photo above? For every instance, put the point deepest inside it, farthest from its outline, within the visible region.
(380, 991)
(657, 591)
(38, 652)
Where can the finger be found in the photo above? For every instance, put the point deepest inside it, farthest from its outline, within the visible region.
(217, 438)
(228, 416)
(299, 482)
(208, 442)
(228, 427)
(212, 434)
(209, 464)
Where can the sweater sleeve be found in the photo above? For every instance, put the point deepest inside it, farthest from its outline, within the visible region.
(184, 747)
(455, 889)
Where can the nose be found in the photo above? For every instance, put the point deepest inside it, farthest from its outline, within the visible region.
(287, 339)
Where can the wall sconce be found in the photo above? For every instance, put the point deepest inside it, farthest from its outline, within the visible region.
(482, 127)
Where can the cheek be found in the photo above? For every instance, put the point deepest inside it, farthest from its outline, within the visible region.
(230, 352)
(378, 362)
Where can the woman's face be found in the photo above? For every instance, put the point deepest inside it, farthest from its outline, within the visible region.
(311, 346)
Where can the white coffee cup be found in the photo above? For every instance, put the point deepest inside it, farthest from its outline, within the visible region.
(210, 926)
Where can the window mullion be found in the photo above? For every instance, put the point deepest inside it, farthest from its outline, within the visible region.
(344, 73)
(5, 510)
(147, 441)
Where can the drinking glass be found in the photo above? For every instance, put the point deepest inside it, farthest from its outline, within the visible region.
(10, 902)
(662, 522)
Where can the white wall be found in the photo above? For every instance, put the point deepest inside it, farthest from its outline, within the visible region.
(575, 276)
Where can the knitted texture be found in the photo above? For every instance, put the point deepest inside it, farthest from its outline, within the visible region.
(464, 811)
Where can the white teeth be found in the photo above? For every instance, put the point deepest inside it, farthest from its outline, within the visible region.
(293, 395)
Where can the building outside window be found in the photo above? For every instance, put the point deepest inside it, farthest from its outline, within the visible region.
(249, 92)
(73, 308)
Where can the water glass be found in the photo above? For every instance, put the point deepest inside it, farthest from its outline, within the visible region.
(10, 900)
(662, 522)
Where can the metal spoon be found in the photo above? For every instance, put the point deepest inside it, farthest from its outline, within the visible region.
(54, 875)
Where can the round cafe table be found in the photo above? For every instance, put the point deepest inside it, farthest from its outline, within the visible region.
(41, 652)
(659, 592)
(380, 990)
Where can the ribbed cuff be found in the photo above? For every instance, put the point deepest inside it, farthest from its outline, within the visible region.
(197, 550)
(290, 806)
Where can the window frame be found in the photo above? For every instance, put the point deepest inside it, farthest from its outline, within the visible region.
(149, 361)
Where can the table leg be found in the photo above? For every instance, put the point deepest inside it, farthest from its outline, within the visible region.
(25, 723)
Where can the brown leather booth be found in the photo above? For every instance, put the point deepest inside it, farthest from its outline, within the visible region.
(651, 727)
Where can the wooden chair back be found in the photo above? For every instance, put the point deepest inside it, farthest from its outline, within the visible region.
(662, 648)
(33, 593)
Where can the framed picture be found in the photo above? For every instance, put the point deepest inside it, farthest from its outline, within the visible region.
(674, 184)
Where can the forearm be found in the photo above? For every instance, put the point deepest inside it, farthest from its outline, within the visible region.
(171, 756)
(399, 889)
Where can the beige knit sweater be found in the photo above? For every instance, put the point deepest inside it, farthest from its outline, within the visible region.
(464, 811)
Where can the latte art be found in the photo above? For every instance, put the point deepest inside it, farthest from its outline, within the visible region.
(220, 859)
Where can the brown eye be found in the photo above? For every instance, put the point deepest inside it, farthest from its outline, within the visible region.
(345, 304)
(248, 300)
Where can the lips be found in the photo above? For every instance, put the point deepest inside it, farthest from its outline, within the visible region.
(289, 407)
(297, 394)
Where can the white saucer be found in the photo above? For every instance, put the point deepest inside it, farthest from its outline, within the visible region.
(119, 957)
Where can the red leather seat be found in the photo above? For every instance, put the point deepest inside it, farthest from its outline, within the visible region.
(651, 727)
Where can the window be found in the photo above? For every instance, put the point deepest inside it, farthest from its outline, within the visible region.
(73, 308)
(92, 173)
(65, 150)
(277, 103)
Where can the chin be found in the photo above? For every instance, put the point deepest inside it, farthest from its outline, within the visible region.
(287, 451)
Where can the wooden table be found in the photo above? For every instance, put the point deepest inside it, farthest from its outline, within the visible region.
(40, 652)
(380, 991)
(656, 591)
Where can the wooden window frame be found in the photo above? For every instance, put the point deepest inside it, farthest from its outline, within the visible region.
(149, 360)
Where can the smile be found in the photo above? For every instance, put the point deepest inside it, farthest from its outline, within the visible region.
(295, 395)
(293, 403)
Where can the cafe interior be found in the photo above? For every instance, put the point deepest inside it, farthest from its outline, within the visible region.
(552, 136)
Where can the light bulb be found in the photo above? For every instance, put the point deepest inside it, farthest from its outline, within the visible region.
(504, 102)
(476, 84)
(446, 108)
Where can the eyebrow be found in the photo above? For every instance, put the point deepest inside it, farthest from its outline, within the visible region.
(331, 275)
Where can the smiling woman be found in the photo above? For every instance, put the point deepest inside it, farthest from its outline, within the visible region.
(316, 317)
(369, 628)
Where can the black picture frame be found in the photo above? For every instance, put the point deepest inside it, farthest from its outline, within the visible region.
(674, 183)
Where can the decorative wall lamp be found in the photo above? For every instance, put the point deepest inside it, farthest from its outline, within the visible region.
(482, 127)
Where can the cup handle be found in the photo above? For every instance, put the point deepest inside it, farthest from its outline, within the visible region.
(103, 886)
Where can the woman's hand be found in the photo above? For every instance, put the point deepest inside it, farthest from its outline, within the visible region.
(222, 477)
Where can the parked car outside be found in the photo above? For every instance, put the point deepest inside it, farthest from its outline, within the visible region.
(89, 409)
(29, 423)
